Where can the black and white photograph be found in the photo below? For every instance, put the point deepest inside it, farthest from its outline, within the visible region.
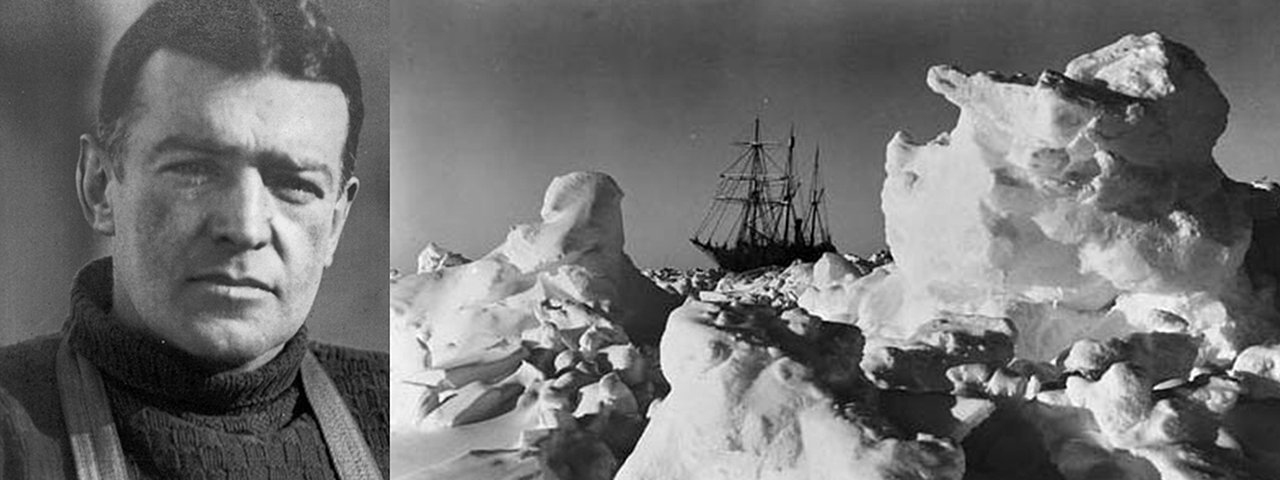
(194, 218)
(973, 239)
(640, 239)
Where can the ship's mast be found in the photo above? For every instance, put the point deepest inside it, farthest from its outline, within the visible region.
(789, 189)
(747, 233)
(817, 214)
(763, 193)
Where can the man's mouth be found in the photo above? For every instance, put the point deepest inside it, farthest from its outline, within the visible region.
(232, 283)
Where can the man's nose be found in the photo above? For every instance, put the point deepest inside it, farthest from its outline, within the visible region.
(242, 217)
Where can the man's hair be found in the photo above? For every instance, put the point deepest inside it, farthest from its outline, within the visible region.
(290, 37)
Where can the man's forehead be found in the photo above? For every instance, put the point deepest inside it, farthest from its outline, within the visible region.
(260, 111)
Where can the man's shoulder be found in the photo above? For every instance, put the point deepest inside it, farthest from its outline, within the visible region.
(32, 432)
(339, 360)
(29, 366)
(360, 375)
(29, 380)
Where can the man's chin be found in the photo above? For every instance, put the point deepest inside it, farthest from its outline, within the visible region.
(232, 344)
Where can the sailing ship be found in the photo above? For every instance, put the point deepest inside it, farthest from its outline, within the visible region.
(753, 221)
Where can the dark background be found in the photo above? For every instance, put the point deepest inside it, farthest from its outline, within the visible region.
(492, 99)
(52, 53)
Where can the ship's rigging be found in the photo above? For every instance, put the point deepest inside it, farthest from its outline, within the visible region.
(753, 221)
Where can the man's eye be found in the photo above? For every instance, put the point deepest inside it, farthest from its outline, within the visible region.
(298, 189)
(197, 172)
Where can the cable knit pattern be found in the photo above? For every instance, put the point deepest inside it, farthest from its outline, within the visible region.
(178, 420)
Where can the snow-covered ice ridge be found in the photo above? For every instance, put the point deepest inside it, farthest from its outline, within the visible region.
(1077, 291)
(1084, 204)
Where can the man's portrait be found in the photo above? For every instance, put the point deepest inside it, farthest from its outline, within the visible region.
(208, 249)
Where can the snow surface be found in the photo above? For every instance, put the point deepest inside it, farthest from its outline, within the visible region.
(1076, 291)
(479, 349)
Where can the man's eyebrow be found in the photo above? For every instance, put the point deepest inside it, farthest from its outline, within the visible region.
(286, 162)
(182, 142)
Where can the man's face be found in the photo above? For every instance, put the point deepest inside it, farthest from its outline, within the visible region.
(229, 208)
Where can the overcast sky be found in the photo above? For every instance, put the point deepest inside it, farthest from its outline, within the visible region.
(492, 99)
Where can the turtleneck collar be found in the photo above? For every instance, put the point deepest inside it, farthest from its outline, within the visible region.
(157, 370)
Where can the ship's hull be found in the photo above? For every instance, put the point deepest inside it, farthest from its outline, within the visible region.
(749, 257)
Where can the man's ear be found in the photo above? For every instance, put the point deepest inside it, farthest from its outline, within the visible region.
(340, 210)
(93, 180)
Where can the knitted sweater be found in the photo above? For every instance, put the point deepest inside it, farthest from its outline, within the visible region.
(175, 420)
